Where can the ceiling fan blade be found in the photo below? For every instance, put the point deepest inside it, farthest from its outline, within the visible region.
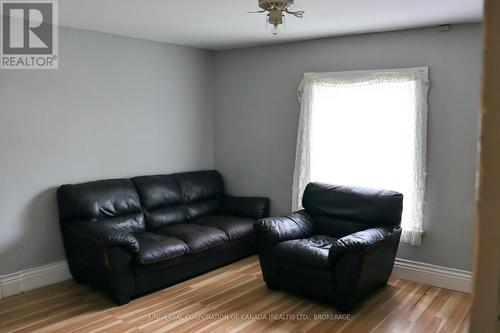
(257, 12)
(299, 14)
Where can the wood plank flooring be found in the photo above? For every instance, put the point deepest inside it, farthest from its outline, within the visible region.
(233, 299)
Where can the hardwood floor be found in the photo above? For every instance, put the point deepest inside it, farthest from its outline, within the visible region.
(232, 299)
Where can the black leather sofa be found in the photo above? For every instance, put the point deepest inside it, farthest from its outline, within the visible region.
(339, 248)
(131, 236)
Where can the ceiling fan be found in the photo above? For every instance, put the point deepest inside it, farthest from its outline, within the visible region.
(275, 12)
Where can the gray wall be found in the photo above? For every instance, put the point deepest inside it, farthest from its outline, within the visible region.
(117, 107)
(120, 107)
(256, 117)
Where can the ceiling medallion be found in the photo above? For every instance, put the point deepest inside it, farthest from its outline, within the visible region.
(275, 12)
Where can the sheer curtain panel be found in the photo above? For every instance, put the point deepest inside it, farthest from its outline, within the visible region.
(366, 128)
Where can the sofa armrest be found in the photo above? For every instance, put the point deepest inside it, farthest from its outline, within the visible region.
(252, 207)
(273, 230)
(102, 256)
(361, 241)
(103, 236)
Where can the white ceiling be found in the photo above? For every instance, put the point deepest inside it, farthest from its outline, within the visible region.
(223, 24)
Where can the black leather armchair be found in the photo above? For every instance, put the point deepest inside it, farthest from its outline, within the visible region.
(339, 248)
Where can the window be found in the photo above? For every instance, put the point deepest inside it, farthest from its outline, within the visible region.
(366, 129)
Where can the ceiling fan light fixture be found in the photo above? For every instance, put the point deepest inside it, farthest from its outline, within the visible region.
(276, 10)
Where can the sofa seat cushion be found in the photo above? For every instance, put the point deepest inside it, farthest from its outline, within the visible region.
(233, 226)
(198, 238)
(312, 252)
(154, 248)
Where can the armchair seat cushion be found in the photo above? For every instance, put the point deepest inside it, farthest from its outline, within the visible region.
(197, 237)
(233, 226)
(311, 252)
(155, 248)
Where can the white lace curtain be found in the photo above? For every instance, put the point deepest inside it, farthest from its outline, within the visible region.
(366, 128)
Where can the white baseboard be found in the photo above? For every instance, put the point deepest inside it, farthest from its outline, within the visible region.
(433, 275)
(19, 282)
(443, 277)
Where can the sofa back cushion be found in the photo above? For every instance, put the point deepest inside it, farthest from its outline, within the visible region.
(341, 210)
(113, 202)
(202, 192)
(161, 199)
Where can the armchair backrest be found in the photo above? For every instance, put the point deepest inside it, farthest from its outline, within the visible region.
(341, 210)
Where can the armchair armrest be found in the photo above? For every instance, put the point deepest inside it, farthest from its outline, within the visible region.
(273, 230)
(252, 207)
(102, 235)
(362, 262)
(365, 240)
